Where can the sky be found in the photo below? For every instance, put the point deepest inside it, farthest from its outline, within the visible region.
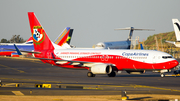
(93, 21)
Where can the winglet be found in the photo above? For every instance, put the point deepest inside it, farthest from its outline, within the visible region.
(18, 51)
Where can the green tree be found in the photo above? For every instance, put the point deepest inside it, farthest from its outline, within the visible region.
(4, 41)
(16, 39)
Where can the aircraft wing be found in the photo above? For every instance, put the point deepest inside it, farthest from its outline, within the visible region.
(22, 51)
(19, 51)
(72, 61)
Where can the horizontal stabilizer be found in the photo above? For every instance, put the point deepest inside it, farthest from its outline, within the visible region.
(131, 31)
(132, 28)
(172, 42)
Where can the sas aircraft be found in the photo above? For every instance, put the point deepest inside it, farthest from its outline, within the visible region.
(97, 61)
(120, 44)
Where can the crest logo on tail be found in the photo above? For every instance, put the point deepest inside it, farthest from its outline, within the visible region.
(38, 35)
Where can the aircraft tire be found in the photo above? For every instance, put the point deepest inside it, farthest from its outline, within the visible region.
(90, 74)
(162, 75)
(112, 74)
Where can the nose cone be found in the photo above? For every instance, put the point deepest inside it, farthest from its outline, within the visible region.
(175, 63)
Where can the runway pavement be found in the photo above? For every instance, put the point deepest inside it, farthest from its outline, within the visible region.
(27, 72)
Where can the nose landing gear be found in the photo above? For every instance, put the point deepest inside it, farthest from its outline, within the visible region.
(162, 75)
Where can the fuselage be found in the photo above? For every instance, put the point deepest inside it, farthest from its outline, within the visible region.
(121, 59)
(114, 45)
(24, 47)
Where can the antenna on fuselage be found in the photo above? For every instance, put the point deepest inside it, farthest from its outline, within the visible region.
(131, 31)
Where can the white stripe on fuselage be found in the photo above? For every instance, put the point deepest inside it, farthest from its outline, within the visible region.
(147, 56)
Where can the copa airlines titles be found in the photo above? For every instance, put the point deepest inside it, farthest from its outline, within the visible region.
(134, 54)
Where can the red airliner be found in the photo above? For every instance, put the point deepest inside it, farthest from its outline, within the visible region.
(97, 61)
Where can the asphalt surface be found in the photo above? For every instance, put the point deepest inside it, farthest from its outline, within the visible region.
(27, 73)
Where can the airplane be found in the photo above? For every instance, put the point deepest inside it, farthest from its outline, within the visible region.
(28, 45)
(176, 25)
(120, 44)
(7, 49)
(97, 61)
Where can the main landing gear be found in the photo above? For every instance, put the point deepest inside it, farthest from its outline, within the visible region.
(112, 74)
(90, 74)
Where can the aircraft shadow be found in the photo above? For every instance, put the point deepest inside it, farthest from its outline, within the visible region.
(138, 75)
(140, 98)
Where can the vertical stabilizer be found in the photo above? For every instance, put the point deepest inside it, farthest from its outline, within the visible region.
(70, 36)
(176, 25)
(130, 33)
(61, 39)
(142, 48)
(40, 39)
(29, 41)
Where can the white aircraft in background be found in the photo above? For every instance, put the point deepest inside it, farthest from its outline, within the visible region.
(120, 44)
(97, 61)
(176, 25)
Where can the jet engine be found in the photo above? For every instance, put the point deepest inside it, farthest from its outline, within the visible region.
(101, 69)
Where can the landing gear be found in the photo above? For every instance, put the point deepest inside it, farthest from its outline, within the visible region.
(112, 74)
(90, 74)
(162, 75)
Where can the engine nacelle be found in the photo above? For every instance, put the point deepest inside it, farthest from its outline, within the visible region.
(101, 69)
(135, 71)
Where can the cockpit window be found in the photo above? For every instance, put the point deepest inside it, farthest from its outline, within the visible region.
(165, 57)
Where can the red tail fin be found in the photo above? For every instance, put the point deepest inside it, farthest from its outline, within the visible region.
(40, 39)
